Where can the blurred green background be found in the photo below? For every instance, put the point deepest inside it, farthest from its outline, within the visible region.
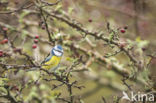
(99, 80)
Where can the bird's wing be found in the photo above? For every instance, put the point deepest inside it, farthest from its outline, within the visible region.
(49, 62)
(47, 59)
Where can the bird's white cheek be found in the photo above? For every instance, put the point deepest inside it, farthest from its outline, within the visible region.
(57, 53)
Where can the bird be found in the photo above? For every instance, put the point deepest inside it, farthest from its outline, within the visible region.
(52, 62)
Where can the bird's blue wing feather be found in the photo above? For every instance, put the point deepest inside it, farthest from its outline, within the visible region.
(47, 59)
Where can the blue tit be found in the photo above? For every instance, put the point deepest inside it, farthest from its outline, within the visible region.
(51, 63)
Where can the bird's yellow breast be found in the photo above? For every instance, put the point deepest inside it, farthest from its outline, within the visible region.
(52, 63)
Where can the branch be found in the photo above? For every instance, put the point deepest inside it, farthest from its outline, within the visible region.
(22, 7)
(94, 34)
(104, 100)
(9, 96)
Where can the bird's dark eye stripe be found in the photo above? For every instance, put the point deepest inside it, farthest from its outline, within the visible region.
(58, 51)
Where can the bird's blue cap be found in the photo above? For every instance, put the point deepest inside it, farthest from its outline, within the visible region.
(57, 50)
(59, 47)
